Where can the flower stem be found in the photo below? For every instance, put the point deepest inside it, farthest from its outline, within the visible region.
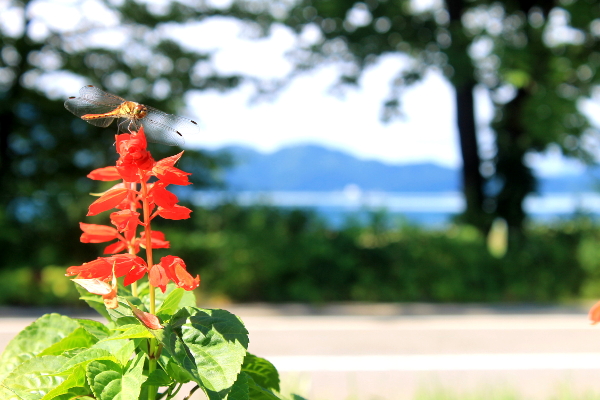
(152, 343)
(148, 235)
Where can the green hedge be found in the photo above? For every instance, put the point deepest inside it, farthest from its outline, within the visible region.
(276, 255)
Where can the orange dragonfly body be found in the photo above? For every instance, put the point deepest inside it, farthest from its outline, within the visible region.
(101, 109)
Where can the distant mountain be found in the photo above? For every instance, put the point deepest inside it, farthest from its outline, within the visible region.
(315, 168)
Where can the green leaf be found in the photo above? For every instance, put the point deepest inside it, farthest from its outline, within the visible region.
(257, 392)
(98, 329)
(110, 381)
(209, 344)
(131, 331)
(262, 372)
(170, 305)
(44, 332)
(75, 379)
(94, 301)
(158, 378)
(175, 371)
(123, 354)
(80, 337)
(84, 358)
(33, 379)
(240, 389)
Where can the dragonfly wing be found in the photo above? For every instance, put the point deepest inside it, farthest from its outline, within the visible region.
(100, 97)
(92, 100)
(168, 129)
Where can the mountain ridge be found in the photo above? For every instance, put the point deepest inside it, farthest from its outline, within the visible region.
(312, 167)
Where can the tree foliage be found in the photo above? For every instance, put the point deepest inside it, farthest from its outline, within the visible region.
(536, 59)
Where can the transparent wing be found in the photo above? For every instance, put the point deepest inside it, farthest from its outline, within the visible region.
(168, 129)
(92, 100)
(97, 96)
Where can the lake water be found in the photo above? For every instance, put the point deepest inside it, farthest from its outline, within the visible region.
(420, 208)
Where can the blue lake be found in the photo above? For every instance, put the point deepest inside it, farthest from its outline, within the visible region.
(429, 209)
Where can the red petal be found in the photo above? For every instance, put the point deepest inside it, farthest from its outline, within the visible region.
(116, 247)
(163, 198)
(108, 200)
(158, 240)
(185, 280)
(134, 275)
(158, 277)
(124, 263)
(169, 161)
(105, 174)
(171, 175)
(99, 268)
(93, 233)
(176, 212)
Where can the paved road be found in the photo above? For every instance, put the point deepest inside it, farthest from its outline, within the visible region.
(394, 352)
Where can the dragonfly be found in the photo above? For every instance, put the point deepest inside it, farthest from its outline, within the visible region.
(100, 108)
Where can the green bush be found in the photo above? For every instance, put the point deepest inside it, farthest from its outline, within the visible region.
(278, 255)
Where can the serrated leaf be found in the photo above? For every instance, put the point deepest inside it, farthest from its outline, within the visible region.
(262, 372)
(33, 379)
(110, 381)
(44, 332)
(209, 344)
(76, 339)
(75, 379)
(158, 378)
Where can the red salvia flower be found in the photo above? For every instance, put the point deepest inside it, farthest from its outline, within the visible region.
(135, 167)
(171, 268)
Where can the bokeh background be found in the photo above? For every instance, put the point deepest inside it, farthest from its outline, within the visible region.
(376, 151)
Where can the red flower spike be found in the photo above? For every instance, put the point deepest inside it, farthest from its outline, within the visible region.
(93, 233)
(594, 314)
(176, 212)
(171, 175)
(108, 200)
(105, 174)
(163, 198)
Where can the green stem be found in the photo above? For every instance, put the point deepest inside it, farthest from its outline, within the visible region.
(152, 343)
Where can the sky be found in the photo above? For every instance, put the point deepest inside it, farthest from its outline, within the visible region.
(307, 111)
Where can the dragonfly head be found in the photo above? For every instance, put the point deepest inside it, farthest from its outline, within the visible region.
(140, 111)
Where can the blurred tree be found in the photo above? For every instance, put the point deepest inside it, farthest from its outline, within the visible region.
(536, 58)
(45, 152)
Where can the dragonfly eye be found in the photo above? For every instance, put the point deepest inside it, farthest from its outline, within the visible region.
(140, 110)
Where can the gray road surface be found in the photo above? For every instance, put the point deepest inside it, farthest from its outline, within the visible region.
(395, 352)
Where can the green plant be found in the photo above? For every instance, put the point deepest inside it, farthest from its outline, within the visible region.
(153, 342)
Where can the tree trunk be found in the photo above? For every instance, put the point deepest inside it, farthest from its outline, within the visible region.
(463, 81)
